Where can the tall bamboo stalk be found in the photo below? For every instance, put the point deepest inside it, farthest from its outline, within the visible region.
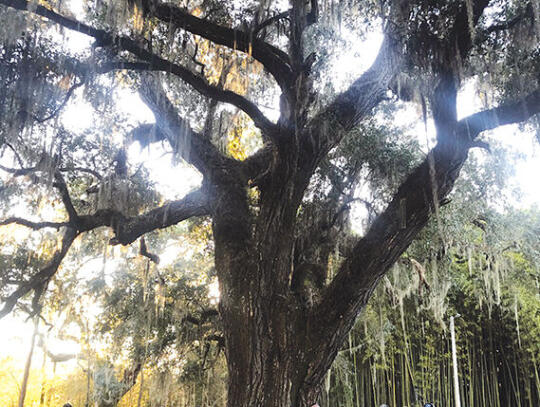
(457, 400)
(22, 394)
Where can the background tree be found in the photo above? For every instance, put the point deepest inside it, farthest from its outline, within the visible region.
(477, 263)
(269, 228)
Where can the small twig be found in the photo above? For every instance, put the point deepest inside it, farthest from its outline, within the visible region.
(30, 313)
(271, 20)
(17, 156)
(63, 104)
(33, 225)
(143, 251)
(481, 144)
(82, 169)
(60, 184)
(196, 61)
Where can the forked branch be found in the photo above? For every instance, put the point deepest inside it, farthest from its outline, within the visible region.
(273, 59)
(407, 213)
(150, 61)
(190, 145)
(127, 230)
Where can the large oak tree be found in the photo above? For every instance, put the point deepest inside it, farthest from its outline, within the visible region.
(270, 233)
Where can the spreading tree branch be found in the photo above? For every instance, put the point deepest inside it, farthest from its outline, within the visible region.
(127, 230)
(515, 111)
(33, 225)
(63, 104)
(39, 281)
(395, 228)
(192, 146)
(273, 59)
(349, 108)
(150, 61)
(352, 106)
(198, 83)
(18, 172)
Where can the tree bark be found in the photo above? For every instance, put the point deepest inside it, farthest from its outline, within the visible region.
(279, 346)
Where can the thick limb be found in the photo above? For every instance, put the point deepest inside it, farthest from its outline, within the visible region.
(394, 229)
(150, 61)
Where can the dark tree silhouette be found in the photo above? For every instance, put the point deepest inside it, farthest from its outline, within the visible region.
(279, 346)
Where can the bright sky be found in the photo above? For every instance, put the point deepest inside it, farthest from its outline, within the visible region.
(15, 337)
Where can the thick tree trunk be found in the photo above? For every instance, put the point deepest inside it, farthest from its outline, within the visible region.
(267, 347)
(279, 348)
(265, 323)
(268, 351)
